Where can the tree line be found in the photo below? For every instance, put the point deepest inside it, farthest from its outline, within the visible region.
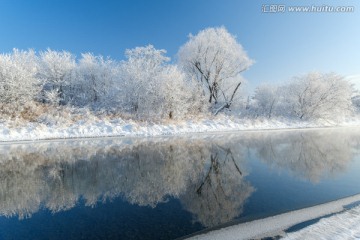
(311, 96)
(205, 78)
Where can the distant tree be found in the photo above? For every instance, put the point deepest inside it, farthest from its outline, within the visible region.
(215, 59)
(19, 84)
(56, 71)
(96, 79)
(317, 95)
(265, 99)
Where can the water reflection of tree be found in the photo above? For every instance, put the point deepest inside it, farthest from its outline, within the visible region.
(310, 155)
(150, 173)
(219, 193)
(207, 174)
(57, 175)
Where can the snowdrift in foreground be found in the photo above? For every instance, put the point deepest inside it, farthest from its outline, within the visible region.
(119, 127)
(343, 225)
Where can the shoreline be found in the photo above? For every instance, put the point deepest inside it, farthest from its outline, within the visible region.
(278, 225)
(37, 132)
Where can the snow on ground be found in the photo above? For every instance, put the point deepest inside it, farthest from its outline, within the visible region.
(344, 225)
(120, 127)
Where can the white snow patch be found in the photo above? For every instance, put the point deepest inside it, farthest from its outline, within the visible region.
(119, 127)
(277, 224)
(345, 225)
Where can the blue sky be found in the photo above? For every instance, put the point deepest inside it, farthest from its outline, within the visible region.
(282, 44)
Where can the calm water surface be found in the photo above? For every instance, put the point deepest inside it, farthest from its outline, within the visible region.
(166, 188)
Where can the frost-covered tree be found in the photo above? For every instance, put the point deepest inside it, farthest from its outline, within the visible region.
(319, 96)
(151, 88)
(266, 98)
(57, 69)
(19, 84)
(95, 81)
(141, 85)
(215, 59)
(181, 96)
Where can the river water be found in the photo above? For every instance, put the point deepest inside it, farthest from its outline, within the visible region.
(169, 187)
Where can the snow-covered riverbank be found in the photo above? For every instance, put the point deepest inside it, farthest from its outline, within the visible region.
(344, 223)
(119, 127)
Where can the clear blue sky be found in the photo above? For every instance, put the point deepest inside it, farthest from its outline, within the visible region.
(282, 44)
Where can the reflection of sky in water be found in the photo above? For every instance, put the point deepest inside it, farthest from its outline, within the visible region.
(169, 187)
